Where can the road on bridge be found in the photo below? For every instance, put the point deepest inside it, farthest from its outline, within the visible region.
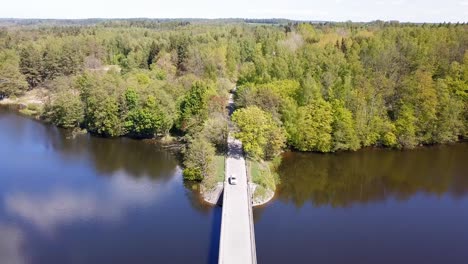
(237, 243)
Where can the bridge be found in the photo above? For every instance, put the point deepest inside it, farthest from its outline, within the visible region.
(237, 241)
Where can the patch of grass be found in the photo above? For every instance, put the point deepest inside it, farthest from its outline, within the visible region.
(218, 172)
(260, 192)
(263, 174)
(220, 163)
(34, 107)
(32, 110)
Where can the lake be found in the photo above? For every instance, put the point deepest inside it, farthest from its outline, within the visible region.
(96, 200)
(370, 206)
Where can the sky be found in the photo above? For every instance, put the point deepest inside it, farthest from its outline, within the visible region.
(329, 10)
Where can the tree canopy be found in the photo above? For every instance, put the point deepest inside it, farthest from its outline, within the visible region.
(312, 87)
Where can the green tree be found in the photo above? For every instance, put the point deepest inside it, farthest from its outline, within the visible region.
(198, 159)
(309, 90)
(101, 98)
(12, 82)
(344, 135)
(406, 128)
(397, 85)
(419, 91)
(102, 117)
(31, 64)
(65, 109)
(449, 115)
(311, 128)
(215, 130)
(146, 120)
(193, 107)
(388, 137)
(51, 61)
(261, 137)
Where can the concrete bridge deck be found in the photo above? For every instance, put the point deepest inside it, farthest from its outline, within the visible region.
(237, 242)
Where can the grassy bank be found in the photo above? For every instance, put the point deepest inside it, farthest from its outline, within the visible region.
(32, 109)
(31, 103)
(263, 173)
(219, 162)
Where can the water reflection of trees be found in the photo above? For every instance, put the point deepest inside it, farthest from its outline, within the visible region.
(192, 192)
(343, 179)
(135, 157)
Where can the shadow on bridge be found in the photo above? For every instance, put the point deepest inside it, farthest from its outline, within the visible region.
(215, 235)
(235, 150)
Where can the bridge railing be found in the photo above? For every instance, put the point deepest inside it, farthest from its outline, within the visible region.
(251, 221)
(223, 215)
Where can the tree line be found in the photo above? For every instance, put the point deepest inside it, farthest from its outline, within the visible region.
(323, 87)
(348, 88)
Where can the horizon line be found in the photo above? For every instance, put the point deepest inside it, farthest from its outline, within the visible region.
(227, 18)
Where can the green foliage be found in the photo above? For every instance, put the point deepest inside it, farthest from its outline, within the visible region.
(102, 115)
(406, 128)
(194, 106)
(261, 174)
(199, 159)
(388, 137)
(12, 82)
(215, 130)
(344, 135)
(309, 90)
(31, 64)
(261, 137)
(41, 62)
(32, 109)
(220, 162)
(131, 99)
(338, 86)
(66, 109)
(449, 111)
(267, 96)
(147, 120)
(311, 126)
(192, 174)
(100, 95)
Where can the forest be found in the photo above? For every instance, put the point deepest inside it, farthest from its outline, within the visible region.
(321, 87)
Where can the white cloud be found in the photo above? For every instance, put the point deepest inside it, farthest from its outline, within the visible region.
(11, 241)
(62, 206)
(58, 207)
(398, 2)
(288, 12)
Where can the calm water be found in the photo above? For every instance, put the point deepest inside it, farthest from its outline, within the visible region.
(94, 200)
(373, 206)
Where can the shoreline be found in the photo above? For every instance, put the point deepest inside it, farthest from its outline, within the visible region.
(214, 195)
(37, 97)
(259, 201)
(209, 196)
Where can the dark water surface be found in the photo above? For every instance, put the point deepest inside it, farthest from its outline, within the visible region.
(372, 206)
(94, 200)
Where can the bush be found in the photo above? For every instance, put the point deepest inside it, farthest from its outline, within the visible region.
(65, 110)
(199, 159)
(260, 135)
(192, 174)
